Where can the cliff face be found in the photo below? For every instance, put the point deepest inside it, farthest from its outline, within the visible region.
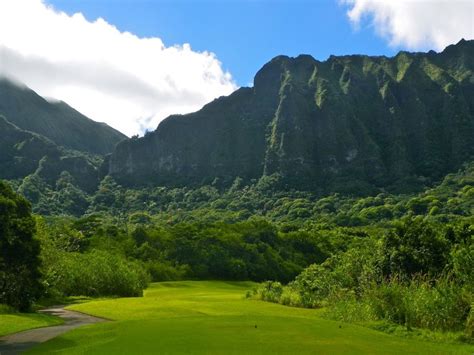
(350, 119)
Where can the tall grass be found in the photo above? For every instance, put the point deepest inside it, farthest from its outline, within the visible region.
(441, 305)
(97, 273)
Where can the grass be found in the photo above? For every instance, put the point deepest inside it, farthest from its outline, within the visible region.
(214, 317)
(17, 322)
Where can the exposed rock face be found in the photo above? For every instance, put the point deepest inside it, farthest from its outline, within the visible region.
(375, 120)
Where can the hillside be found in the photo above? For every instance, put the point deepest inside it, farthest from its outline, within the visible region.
(347, 124)
(37, 164)
(59, 122)
(355, 125)
(21, 150)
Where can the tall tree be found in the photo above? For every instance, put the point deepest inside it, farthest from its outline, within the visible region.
(19, 251)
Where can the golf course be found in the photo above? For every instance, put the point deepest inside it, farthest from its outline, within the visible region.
(215, 317)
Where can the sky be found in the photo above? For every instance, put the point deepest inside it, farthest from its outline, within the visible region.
(131, 63)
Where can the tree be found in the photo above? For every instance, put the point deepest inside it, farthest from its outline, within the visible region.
(414, 247)
(19, 251)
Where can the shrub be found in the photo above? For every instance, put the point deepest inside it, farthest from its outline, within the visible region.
(330, 281)
(269, 291)
(314, 285)
(6, 309)
(351, 309)
(160, 271)
(469, 330)
(389, 301)
(420, 303)
(97, 273)
(290, 297)
(414, 247)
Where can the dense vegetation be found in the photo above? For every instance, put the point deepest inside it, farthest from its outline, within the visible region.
(450, 199)
(418, 274)
(405, 259)
(19, 251)
(54, 263)
(50, 144)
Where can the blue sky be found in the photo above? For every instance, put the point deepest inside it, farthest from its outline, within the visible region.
(243, 34)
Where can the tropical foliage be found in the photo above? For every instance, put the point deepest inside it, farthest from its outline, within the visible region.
(19, 251)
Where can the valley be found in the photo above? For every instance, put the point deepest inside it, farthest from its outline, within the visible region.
(328, 207)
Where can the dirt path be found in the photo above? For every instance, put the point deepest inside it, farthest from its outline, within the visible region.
(19, 342)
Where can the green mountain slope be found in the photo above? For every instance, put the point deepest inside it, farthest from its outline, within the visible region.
(347, 123)
(21, 151)
(43, 170)
(57, 121)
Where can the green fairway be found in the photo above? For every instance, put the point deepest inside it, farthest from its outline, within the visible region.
(13, 323)
(214, 317)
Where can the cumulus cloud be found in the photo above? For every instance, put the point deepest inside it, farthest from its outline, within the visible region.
(416, 24)
(131, 83)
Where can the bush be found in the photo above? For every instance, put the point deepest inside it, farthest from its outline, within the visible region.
(160, 271)
(314, 285)
(469, 330)
(290, 297)
(389, 301)
(330, 281)
(441, 306)
(351, 309)
(97, 273)
(414, 247)
(270, 291)
(6, 309)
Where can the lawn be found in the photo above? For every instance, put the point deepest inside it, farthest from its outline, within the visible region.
(214, 317)
(16, 322)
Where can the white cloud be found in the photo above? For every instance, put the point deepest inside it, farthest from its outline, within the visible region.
(131, 83)
(416, 24)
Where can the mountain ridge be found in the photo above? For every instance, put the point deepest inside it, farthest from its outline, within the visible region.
(350, 120)
(56, 120)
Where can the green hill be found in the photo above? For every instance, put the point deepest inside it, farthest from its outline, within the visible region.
(21, 150)
(39, 167)
(59, 122)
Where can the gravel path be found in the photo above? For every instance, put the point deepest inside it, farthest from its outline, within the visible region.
(19, 342)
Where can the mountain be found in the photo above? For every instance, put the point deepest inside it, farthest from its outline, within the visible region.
(25, 153)
(21, 151)
(346, 123)
(58, 122)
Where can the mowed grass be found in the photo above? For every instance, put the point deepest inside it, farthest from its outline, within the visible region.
(17, 322)
(213, 317)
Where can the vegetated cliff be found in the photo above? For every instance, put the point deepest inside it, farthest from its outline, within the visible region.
(57, 121)
(345, 124)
